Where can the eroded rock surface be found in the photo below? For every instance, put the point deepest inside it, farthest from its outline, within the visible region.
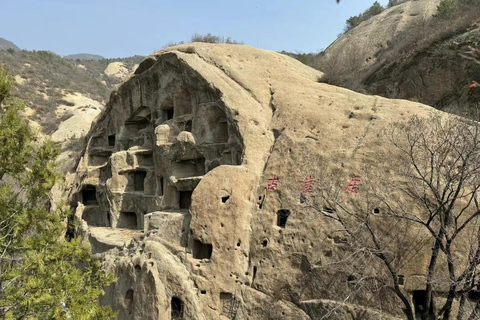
(173, 187)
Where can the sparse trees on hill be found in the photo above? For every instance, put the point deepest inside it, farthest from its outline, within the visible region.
(354, 21)
(42, 276)
(417, 208)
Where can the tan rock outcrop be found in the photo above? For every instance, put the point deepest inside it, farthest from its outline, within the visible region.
(173, 186)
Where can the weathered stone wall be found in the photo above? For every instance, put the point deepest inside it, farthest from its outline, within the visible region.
(173, 189)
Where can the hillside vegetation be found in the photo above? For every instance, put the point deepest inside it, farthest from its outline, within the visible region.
(44, 79)
(416, 50)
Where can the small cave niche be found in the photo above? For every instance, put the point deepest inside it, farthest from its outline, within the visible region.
(401, 280)
(111, 140)
(177, 308)
(225, 199)
(376, 211)
(260, 202)
(202, 250)
(89, 196)
(265, 243)
(188, 126)
(167, 114)
(351, 279)
(139, 180)
(227, 301)
(474, 295)
(282, 217)
(203, 292)
(222, 130)
(129, 301)
(254, 275)
(420, 299)
(129, 296)
(188, 168)
(185, 199)
(127, 220)
(160, 191)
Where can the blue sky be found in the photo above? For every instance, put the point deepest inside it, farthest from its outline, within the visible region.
(120, 28)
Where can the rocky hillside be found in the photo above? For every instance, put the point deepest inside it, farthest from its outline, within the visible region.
(56, 89)
(201, 183)
(84, 56)
(5, 45)
(410, 51)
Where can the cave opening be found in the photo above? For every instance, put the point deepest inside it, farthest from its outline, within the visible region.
(111, 140)
(202, 250)
(282, 217)
(127, 220)
(89, 196)
(139, 180)
(185, 199)
(176, 306)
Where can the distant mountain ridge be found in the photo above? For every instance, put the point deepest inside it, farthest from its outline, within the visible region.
(5, 45)
(85, 56)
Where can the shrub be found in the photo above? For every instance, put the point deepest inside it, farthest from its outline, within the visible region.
(210, 38)
(393, 3)
(354, 21)
(5, 84)
(447, 8)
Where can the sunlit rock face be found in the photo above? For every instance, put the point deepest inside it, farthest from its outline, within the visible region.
(190, 184)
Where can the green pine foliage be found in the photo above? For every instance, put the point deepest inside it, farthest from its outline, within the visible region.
(42, 276)
(354, 21)
(447, 8)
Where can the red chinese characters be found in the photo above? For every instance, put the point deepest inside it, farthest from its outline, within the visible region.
(353, 185)
(272, 183)
(308, 184)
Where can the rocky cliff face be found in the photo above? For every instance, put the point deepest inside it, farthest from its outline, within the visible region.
(407, 52)
(190, 185)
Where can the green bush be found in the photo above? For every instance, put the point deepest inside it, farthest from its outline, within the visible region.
(210, 38)
(393, 3)
(5, 84)
(42, 275)
(354, 21)
(447, 8)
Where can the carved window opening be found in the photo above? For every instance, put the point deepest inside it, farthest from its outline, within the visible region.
(420, 303)
(167, 114)
(89, 196)
(127, 220)
(111, 140)
(188, 126)
(282, 217)
(160, 186)
(227, 300)
(139, 180)
(129, 299)
(202, 250)
(177, 308)
(185, 199)
(222, 130)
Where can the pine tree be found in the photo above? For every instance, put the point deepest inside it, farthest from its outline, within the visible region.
(42, 276)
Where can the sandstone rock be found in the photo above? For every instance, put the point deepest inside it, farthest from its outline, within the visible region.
(178, 163)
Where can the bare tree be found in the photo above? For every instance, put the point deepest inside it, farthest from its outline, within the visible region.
(419, 197)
